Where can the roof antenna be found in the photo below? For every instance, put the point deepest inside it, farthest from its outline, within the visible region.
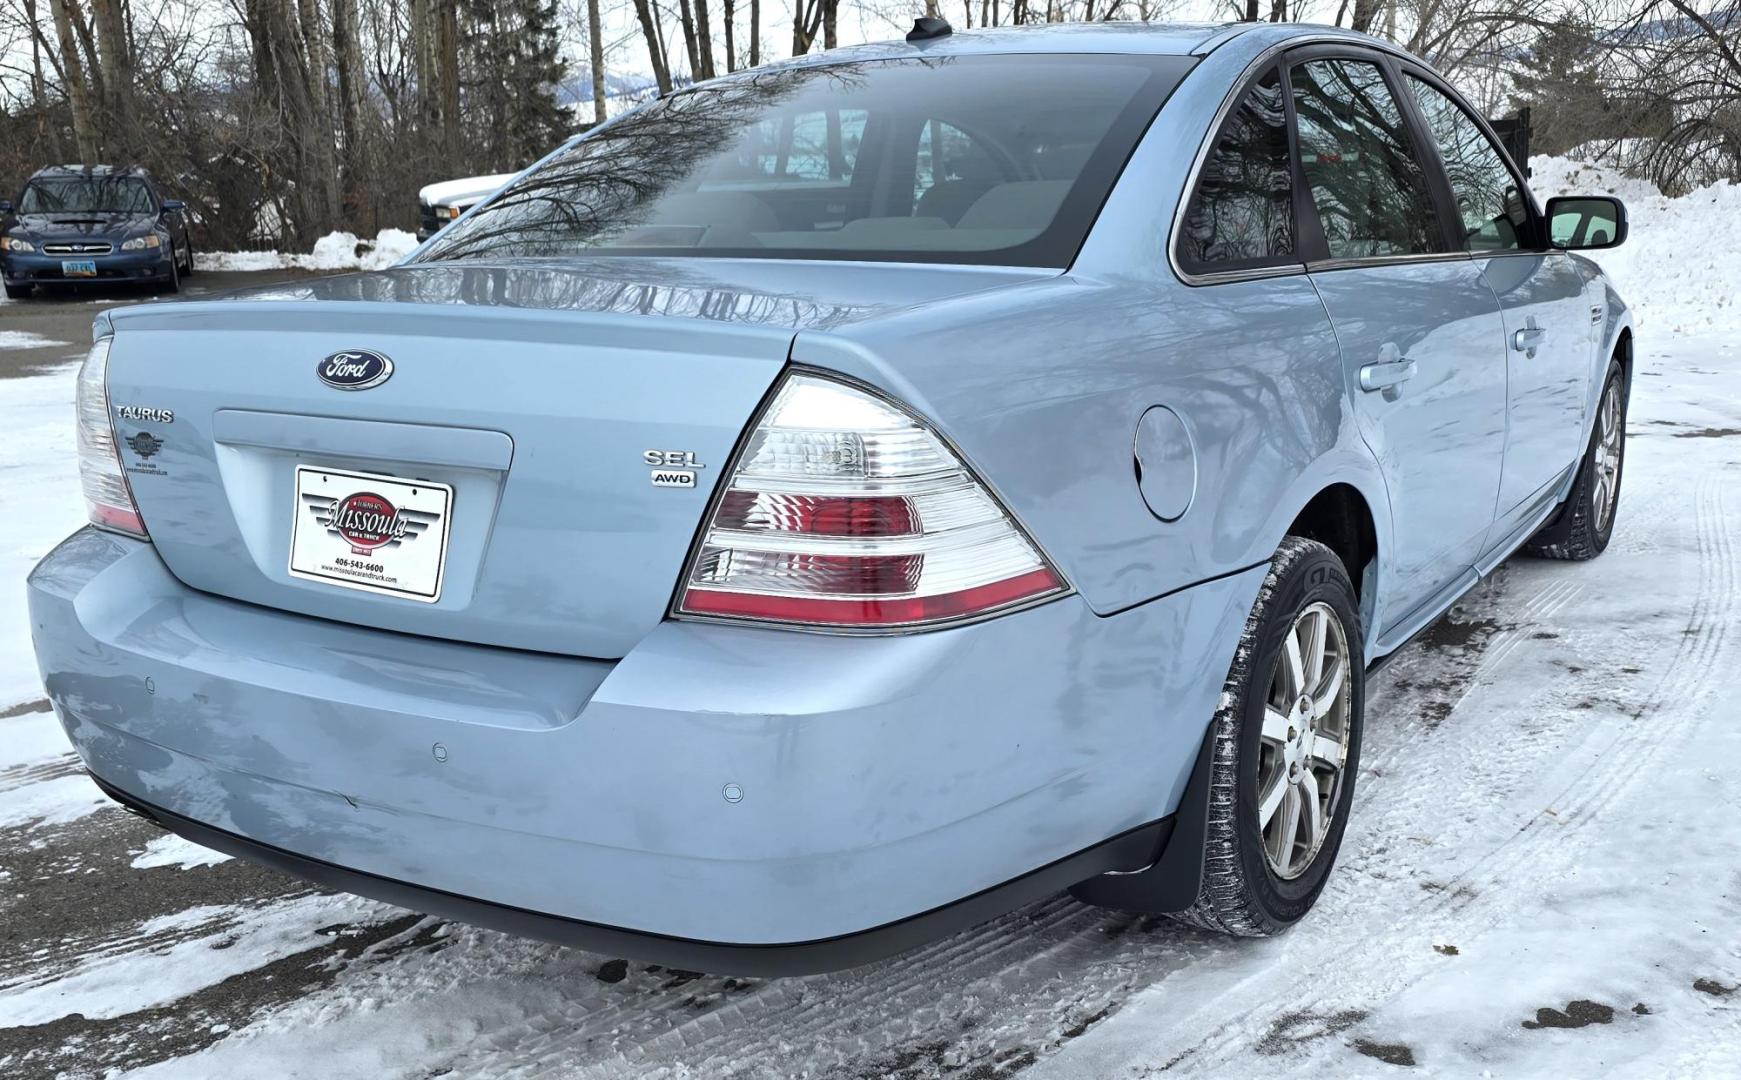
(927, 29)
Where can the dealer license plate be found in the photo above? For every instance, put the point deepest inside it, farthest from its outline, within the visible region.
(380, 534)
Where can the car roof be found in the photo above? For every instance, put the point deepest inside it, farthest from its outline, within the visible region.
(1154, 39)
(93, 171)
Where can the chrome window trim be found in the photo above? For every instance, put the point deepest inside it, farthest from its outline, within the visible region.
(1367, 261)
(1228, 101)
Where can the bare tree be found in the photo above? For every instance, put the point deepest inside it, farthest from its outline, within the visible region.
(703, 41)
(655, 48)
(352, 79)
(117, 66)
(811, 16)
(595, 40)
(731, 55)
(84, 126)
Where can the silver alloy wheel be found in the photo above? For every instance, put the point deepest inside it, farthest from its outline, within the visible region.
(1305, 741)
(1608, 455)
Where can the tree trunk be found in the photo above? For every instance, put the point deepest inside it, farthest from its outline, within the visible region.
(93, 65)
(118, 73)
(655, 55)
(830, 10)
(1364, 12)
(84, 131)
(322, 152)
(703, 40)
(595, 39)
(352, 82)
(421, 14)
(731, 54)
(755, 33)
(803, 27)
(687, 17)
(38, 83)
(447, 42)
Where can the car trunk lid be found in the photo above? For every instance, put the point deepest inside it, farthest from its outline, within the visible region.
(533, 470)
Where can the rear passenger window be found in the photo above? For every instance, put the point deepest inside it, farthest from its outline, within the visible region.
(1489, 200)
(1242, 214)
(1366, 181)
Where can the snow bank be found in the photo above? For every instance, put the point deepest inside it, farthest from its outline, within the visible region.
(1680, 269)
(334, 251)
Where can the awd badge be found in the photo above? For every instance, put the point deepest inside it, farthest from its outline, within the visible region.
(672, 468)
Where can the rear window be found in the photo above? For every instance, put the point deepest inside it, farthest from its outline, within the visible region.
(977, 159)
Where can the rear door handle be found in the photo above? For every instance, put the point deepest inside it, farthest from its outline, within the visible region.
(1530, 338)
(1386, 374)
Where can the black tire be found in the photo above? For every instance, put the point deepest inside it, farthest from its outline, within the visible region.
(1241, 893)
(187, 253)
(1579, 532)
(17, 292)
(173, 285)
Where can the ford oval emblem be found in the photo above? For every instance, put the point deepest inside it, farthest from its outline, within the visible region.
(354, 369)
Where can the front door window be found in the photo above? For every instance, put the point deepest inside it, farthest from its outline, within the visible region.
(1490, 204)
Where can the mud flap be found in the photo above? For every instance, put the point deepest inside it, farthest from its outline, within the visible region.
(1171, 881)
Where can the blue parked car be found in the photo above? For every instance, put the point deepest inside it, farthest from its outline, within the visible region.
(96, 225)
(839, 502)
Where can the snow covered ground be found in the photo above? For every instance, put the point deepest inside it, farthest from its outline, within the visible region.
(334, 251)
(1541, 878)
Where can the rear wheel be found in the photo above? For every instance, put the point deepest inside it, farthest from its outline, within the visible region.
(1585, 522)
(1286, 746)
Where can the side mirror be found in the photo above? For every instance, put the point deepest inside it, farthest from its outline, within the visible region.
(1586, 222)
(173, 205)
(5, 206)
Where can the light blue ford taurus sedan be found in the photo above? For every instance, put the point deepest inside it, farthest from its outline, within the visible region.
(842, 501)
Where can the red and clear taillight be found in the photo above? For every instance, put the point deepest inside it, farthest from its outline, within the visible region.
(845, 510)
(107, 496)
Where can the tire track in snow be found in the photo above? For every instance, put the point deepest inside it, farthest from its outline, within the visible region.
(992, 998)
(842, 1019)
(1548, 838)
(1623, 760)
(1021, 983)
(35, 772)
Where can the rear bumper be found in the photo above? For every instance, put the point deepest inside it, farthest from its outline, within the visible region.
(879, 782)
(114, 268)
(1133, 848)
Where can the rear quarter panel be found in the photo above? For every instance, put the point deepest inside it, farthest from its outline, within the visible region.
(1042, 385)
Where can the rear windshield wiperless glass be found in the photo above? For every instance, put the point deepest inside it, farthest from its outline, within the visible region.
(968, 159)
(86, 195)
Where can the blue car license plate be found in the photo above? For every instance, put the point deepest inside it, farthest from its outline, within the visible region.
(79, 267)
